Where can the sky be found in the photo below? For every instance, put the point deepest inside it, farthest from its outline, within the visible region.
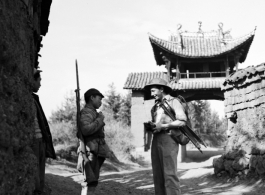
(109, 39)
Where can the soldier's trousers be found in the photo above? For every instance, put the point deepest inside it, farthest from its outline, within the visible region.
(164, 153)
(95, 162)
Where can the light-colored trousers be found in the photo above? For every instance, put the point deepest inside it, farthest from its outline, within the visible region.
(164, 153)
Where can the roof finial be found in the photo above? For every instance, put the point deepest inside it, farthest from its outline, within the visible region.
(223, 36)
(179, 27)
(200, 32)
(221, 25)
(176, 36)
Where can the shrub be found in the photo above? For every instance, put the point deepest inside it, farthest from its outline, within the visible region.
(119, 138)
(63, 133)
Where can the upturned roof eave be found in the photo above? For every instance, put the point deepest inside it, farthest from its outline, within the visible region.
(157, 49)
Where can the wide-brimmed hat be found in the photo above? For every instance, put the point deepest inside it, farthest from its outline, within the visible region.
(158, 82)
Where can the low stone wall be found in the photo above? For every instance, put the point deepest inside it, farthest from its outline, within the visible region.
(245, 111)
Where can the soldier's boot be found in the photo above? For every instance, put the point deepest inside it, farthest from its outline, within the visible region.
(88, 190)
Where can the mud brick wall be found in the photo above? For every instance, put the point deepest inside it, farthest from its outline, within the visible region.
(21, 30)
(245, 110)
(140, 112)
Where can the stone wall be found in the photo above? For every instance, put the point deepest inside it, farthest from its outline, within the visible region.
(245, 110)
(20, 33)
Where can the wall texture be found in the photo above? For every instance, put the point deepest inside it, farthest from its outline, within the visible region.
(245, 109)
(140, 113)
(20, 33)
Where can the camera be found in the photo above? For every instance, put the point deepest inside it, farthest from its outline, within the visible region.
(149, 126)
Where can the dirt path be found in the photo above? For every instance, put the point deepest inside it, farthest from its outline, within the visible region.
(196, 178)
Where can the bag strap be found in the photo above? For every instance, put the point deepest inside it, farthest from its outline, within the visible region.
(183, 102)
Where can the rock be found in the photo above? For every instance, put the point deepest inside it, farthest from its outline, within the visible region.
(255, 151)
(228, 167)
(262, 152)
(219, 175)
(218, 164)
(259, 168)
(232, 155)
(240, 163)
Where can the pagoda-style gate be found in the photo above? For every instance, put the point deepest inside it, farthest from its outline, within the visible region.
(196, 63)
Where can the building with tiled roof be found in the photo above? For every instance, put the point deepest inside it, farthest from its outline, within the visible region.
(196, 63)
(204, 87)
(206, 46)
(214, 51)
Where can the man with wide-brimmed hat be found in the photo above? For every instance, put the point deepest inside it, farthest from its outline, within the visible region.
(164, 149)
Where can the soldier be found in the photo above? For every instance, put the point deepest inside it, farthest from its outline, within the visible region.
(164, 149)
(42, 146)
(92, 128)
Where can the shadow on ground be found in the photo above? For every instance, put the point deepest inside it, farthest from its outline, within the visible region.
(196, 178)
(203, 181)
(62, 185)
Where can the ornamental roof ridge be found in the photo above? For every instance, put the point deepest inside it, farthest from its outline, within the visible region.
(209, 34)
(243, 36)
(200, 46)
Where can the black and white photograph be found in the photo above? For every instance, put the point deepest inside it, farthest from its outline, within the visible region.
(132, 97)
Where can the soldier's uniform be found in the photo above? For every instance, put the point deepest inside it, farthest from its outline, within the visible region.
(92, 128)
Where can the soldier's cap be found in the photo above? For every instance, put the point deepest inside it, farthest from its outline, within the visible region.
(91, 92)
(36, 71)
(158, 82)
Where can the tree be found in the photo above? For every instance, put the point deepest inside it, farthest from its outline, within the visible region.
(125, 109)
(112, 100)
(207, 123)
(67, 111)
(119, 105)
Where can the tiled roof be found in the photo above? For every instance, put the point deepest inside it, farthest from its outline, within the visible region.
(200, 46)
(200, 83)
(137, 81)
(244, 76)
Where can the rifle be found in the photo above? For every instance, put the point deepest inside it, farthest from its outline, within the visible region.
(186, 130)
(87, 170)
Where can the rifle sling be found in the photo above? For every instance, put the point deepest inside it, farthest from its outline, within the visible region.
(185, 130)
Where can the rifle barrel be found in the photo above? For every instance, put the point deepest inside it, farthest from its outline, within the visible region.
(77, 77)
(79, 133)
